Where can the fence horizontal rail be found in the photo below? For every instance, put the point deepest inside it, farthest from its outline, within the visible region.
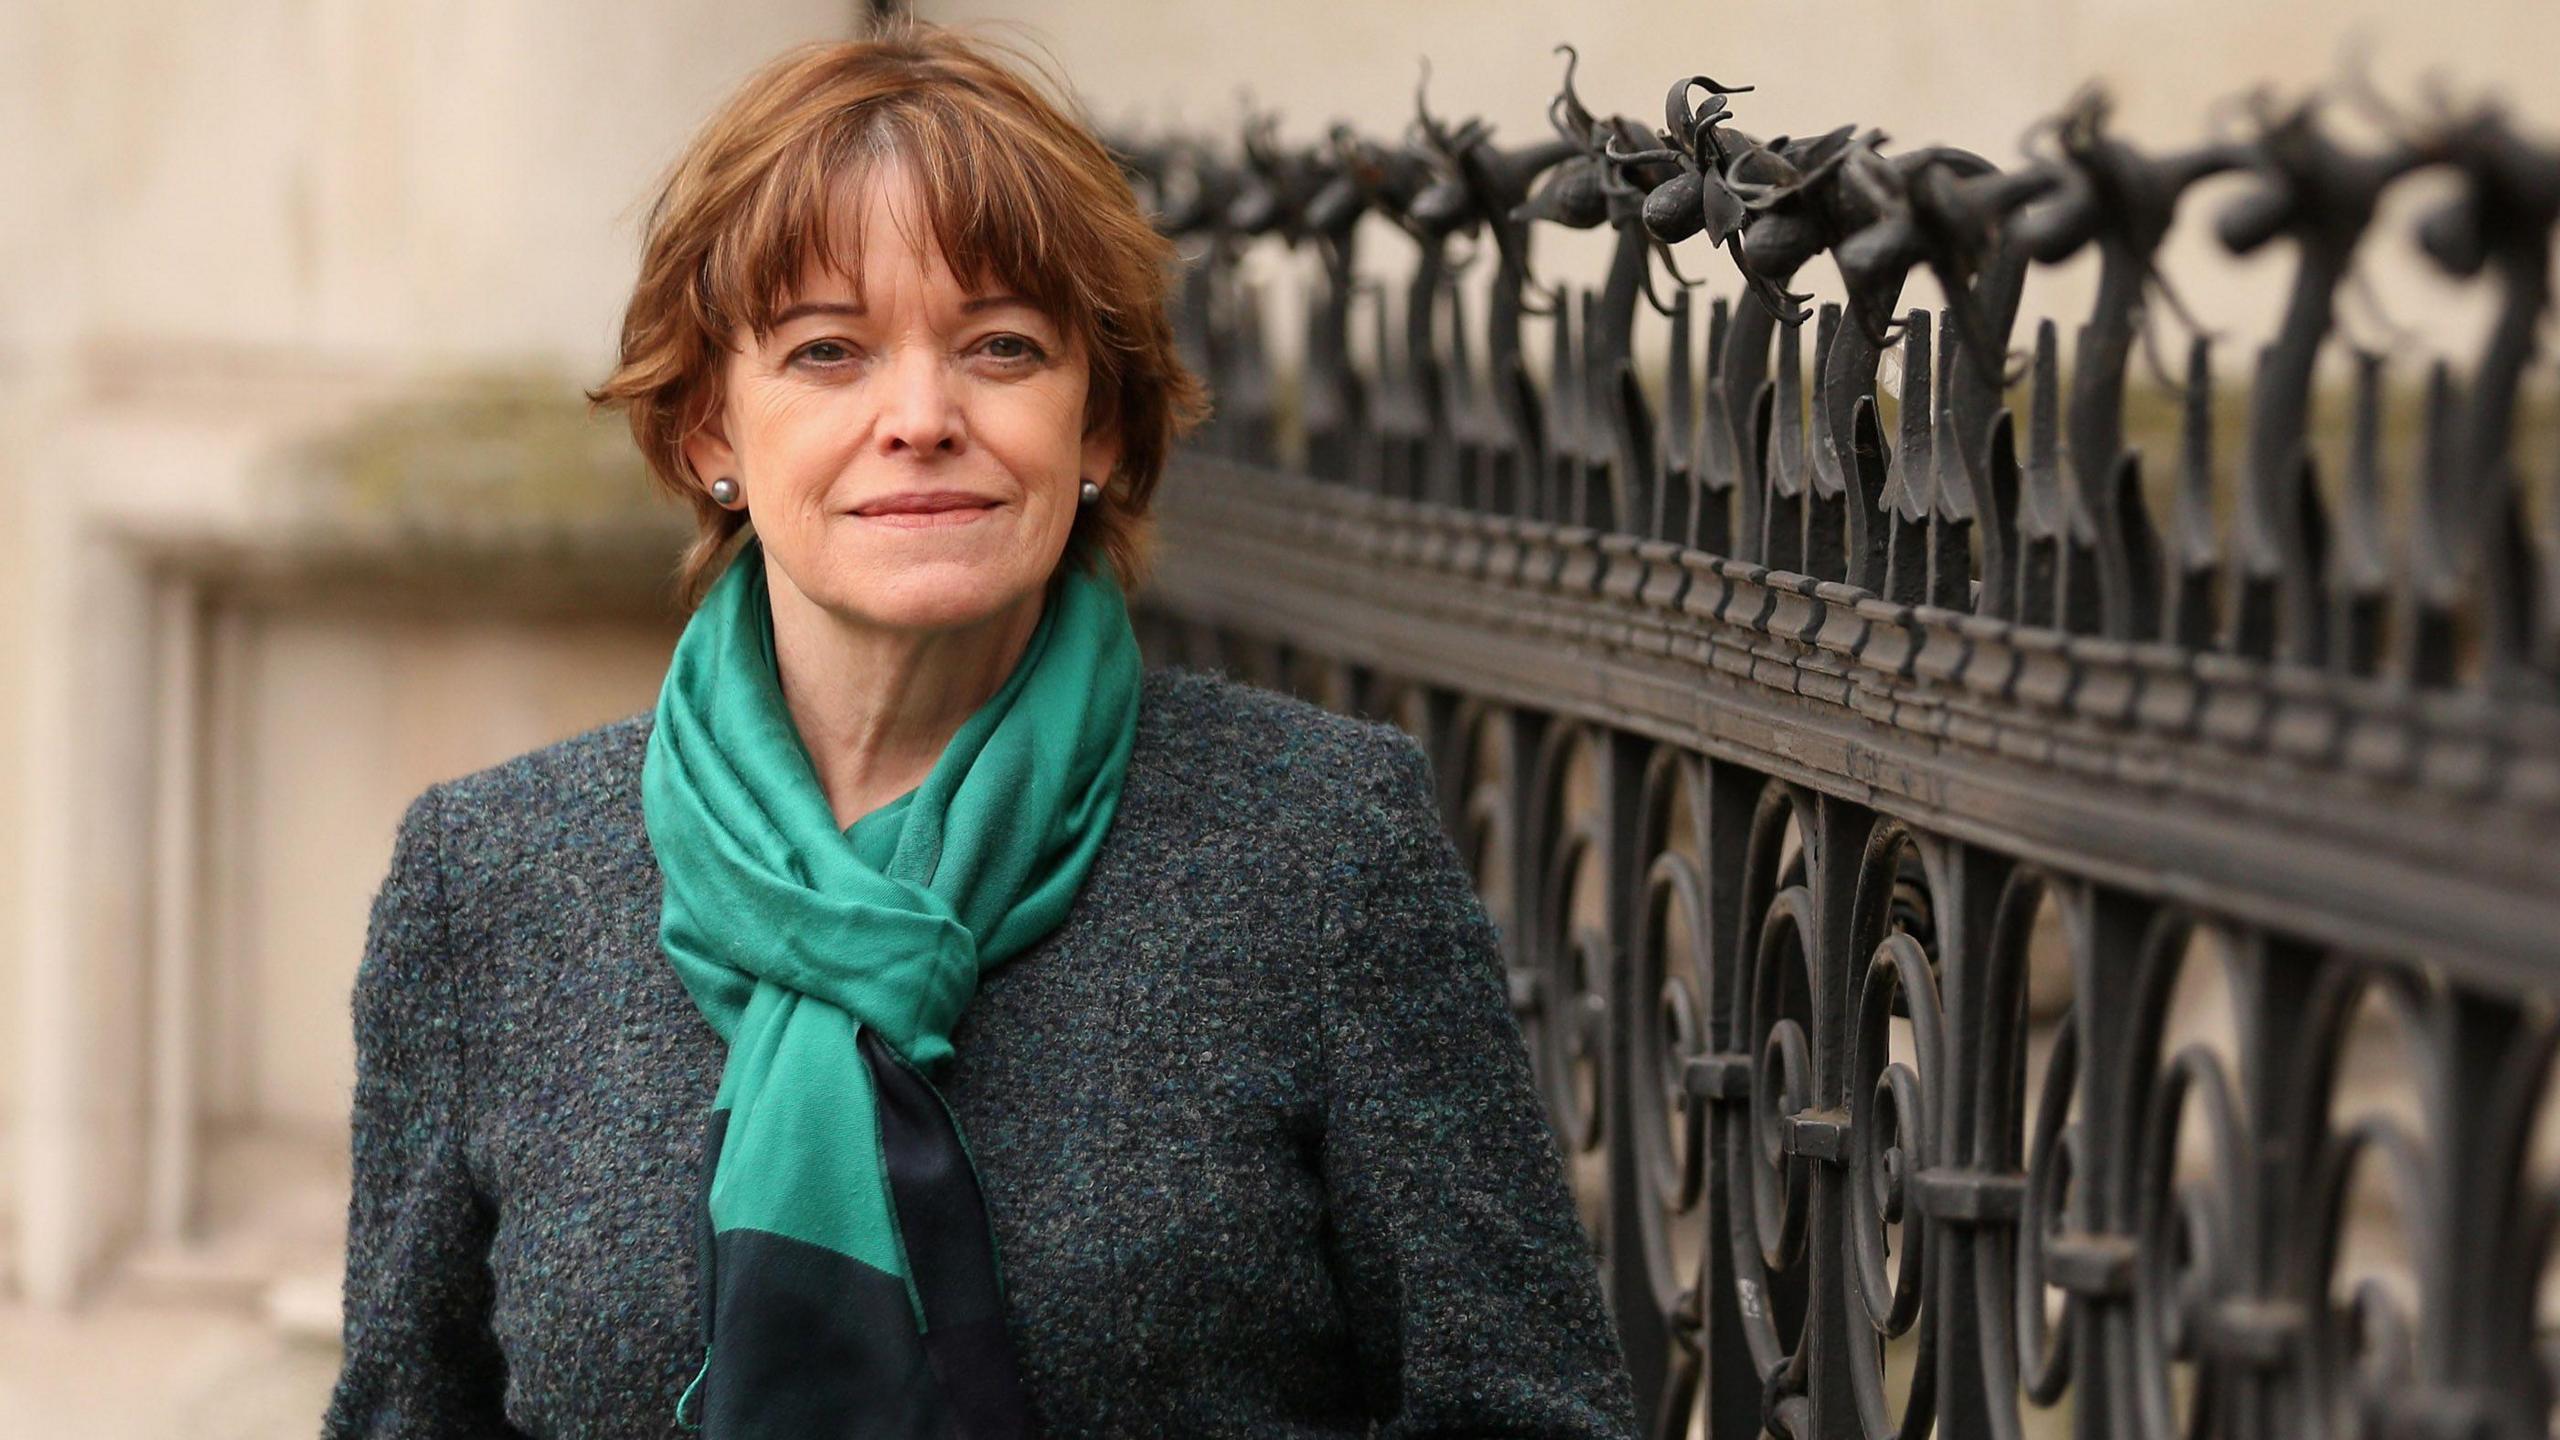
(2422, 827)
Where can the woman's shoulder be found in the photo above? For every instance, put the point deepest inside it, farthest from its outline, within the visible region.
(1250, 795)
(1180, 708)
(595, 771)
(1265, 757)
(564, 816)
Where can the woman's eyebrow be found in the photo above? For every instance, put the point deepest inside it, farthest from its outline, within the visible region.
(817, 307)
(970, 306)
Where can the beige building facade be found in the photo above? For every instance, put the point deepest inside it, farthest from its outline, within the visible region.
(284, 283)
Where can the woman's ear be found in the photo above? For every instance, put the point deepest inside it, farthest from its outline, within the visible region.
(1101, 455)
(707, 449)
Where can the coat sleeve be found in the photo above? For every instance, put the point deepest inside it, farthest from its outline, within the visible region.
(1471, 1285)
(419, 1357)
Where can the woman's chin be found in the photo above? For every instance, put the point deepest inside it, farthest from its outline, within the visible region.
(935, 595)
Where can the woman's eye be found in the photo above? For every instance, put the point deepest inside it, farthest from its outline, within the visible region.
(1011, 347)
(823, 352)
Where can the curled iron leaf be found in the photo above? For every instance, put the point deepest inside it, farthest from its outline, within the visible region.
(1812, 164)
(1575, 121)
(1670, 267)
(1688, 124)
(1723, 212)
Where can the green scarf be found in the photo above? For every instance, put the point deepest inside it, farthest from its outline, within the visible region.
(849, 1283)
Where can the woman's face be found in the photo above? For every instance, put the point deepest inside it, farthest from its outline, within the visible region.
(911, 462)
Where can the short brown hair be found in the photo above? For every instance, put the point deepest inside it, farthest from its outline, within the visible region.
(1019, 192)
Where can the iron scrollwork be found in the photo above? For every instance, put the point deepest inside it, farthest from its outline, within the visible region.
(2002, 955)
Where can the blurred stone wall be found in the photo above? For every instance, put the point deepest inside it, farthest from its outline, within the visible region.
(236, 236)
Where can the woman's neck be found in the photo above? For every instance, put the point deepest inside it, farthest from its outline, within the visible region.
(876, 707)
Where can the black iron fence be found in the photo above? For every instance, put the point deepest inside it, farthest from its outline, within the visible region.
(2006, 948)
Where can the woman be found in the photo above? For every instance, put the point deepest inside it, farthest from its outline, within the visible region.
(925, 1021)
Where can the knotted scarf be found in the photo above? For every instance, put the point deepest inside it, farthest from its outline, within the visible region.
(849, 1277)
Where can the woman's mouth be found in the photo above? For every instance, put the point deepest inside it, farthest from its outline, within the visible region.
(926, 509)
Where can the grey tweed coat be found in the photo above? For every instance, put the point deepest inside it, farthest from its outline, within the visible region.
(1256, 1127)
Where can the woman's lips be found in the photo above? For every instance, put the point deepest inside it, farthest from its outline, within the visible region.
(928, 519)
(926, 510)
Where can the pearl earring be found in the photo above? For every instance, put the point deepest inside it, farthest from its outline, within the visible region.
(725, 491)
(1087, 493)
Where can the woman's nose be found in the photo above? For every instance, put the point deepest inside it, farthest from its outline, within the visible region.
(919, 411)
